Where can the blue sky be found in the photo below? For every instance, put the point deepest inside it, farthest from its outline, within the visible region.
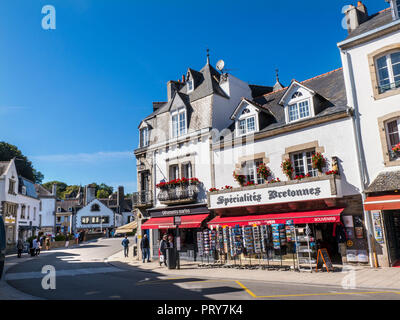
(72, 98)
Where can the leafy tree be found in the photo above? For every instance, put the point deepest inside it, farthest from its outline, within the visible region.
(69, 190)
(101, 194)
(106, 188)
(24, 166)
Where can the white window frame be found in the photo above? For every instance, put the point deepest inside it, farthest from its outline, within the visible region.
(189, 174)
(389, 66)
(144, 137)
(179, 130)
(387, 133)
(297, 102)
(250, 170)
(190, 87)
(306, 169)
(246, 125)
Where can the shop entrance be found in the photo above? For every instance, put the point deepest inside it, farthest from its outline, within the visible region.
(392, 227)
(326, 240)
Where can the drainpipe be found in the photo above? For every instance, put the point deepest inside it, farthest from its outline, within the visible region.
(361, 159)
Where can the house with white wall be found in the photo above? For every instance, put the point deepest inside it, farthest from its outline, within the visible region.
(371, 65)
(47, 209)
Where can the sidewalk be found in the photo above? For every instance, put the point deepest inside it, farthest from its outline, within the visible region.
(358, 277)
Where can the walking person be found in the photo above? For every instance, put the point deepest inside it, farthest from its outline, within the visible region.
(145, 247)
(47, 243)
(77, 235)
(163, 250)
(125, 244)
(20, 247)
(33, 247)
(37, 246)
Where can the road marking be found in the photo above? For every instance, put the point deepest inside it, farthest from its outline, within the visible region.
(60, 273)
(310, 294)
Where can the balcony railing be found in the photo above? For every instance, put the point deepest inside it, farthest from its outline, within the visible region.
(178, 195)
(390, 86)
(142, 199)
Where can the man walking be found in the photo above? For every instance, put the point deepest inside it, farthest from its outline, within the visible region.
(145, 247)
(163, 250)
(20, 247)
(125, 244)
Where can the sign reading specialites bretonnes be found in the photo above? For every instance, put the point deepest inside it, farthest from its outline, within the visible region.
(270, 195)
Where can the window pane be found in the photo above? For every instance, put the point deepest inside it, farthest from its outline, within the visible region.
(293, 112)
(395, 57)
(251, 125)
(382, 63)
(260, 179)
(304, 109)
(393, 133)
(298, 164)
(242, 127)
(175, 126)
(310, 169)
(182, 123)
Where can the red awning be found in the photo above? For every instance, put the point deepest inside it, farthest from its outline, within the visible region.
(187, 222)
(321, 216)
(387, 202)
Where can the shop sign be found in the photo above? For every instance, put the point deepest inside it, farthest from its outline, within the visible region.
(290, 193)
(9, 220)
(376, 216)
(178, 212)
(362, 256)
(351, 255)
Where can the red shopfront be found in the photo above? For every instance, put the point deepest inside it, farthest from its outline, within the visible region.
(193, 219)
(317, 203)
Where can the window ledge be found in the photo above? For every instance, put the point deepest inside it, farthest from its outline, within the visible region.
(387, 94)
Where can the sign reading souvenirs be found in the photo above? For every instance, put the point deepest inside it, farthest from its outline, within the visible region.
(270, 195)
(323, 258)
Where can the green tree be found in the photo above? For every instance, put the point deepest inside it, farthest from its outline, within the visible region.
(24, 166)
(61, 187)
(69, 190)
(102, 194)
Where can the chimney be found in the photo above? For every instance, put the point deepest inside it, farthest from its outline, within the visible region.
(54, 190)
(183, 78)
(171, 88)
(120, 197)
(356, 16)
(90, 193)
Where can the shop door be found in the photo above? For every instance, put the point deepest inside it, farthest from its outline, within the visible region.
(392, 227)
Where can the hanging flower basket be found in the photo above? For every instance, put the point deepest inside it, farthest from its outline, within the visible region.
(194, 181)
(318, 162)
(239, 178)
(162, 185)
(287, 168)
(264, 171)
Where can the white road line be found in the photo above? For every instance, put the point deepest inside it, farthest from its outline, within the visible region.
(60, 273)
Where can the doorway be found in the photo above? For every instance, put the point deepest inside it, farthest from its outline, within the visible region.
(392, 227)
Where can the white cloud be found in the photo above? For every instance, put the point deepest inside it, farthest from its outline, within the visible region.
(85, 157)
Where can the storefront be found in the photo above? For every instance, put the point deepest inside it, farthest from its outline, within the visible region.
(385, 213)
(192, 219)
(267, 221)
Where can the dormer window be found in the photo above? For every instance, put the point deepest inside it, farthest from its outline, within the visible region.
(247, 125)
(190, 85)
(95, 208)
(299, 111)
(388, 71)
(178, 123)
(144, 137)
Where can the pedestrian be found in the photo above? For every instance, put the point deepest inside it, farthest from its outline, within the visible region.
(125, 244)
(163, 250)
(38, 246)
(145, 247)
(20, 247)
(77, 235)
(170, 241)
(47, 243)
(33, 247)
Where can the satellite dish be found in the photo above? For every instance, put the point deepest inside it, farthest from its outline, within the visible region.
(220, 65)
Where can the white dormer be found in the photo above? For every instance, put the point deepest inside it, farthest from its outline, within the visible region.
(189, 82)
(246, 118)
(144, 129)
(395, 7)
(178, 114)
(298, 102)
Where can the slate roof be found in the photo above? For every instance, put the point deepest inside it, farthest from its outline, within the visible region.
(329, 87)
(374, 21)
(66, 204)
(42, 191)
(206, 82)
(29, 185)
(386, 181)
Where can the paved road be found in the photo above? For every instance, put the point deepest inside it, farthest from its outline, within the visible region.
(82, 273)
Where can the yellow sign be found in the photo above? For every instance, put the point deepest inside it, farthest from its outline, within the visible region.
(350, 243)
(9, 220)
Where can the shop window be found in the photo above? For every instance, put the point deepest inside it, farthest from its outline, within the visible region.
(250, 171)
(302, 162)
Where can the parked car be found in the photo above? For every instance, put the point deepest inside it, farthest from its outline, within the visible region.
(2, 245)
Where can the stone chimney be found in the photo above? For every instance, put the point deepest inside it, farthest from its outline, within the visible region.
(172, 87)
(54, 190)
(356, 16)
(90, 193)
